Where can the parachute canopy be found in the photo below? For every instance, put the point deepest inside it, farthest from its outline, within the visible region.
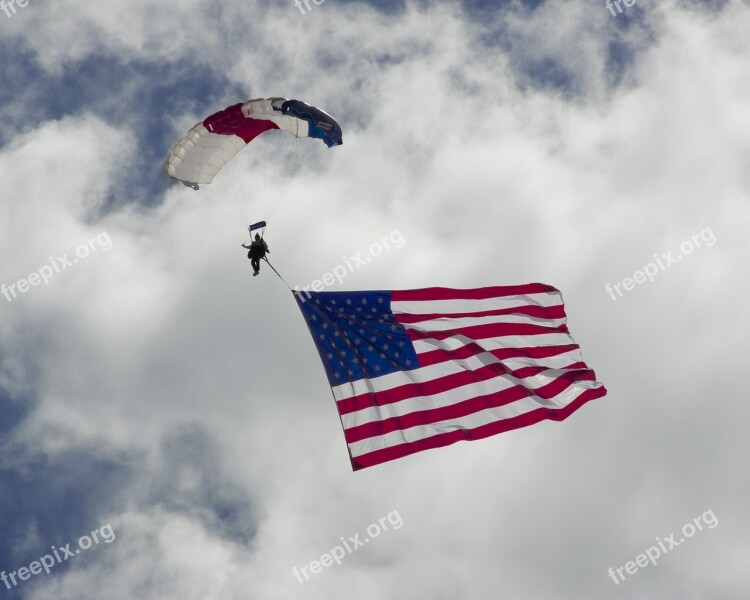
(201, 154)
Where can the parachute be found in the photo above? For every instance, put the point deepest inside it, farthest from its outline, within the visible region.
(209, 145)
(252, 189)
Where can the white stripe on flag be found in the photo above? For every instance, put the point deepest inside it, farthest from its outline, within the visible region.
(419, 375)
(498, 383)
(494, 343)
(559, 361)
(448, 323)
(484, 417)
(421, 307)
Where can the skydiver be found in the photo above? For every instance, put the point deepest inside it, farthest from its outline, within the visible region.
(257, 250)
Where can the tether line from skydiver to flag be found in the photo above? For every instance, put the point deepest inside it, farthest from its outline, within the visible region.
(277, 273)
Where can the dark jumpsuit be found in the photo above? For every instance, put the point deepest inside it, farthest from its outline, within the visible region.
(257, 251)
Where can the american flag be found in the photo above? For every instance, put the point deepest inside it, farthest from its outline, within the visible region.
(417, 369)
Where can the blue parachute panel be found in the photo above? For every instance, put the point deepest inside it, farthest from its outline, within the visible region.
(321, 125)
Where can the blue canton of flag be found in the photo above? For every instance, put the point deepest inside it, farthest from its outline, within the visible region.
(357, 335)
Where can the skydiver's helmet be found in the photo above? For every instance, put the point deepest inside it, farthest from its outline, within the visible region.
(257, 237)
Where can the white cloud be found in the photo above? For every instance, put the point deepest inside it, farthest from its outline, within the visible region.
(490, 183)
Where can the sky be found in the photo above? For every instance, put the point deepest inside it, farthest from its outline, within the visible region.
(166, 413)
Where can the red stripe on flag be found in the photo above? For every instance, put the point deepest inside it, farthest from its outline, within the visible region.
(439, 385)
(542, 312)
(437, 356)
(441, 293)
(446, 439)
(480, 332)
(464, 408)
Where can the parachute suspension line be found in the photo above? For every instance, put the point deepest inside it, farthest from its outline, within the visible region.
(235, 196)
(265, 177)
(238, 195)
(225, 206)
(218, 206)
(230, 214)
(286, 185)
(187, 164)
(245, 193)
(277, 273)
(231, 192)
(290, 150)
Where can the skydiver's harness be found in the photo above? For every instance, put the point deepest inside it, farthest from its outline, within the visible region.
(258, 249)
(262, 226)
